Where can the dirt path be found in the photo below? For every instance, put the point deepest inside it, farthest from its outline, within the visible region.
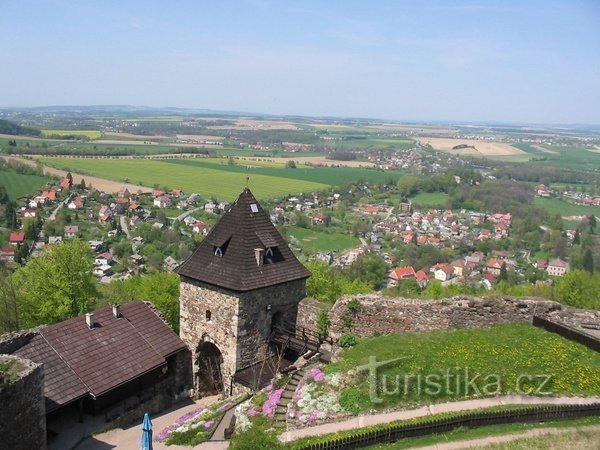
(485, 442)
(101, 184)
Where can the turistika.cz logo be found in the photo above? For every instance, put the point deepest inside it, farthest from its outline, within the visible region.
(456, 381)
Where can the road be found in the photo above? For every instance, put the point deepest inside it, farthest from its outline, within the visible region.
(52, 217)
(187, 213)
(124, 226)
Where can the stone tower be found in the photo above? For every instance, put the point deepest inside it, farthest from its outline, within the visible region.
(242, 279)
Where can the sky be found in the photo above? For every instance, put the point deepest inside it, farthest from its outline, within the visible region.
(460, 61)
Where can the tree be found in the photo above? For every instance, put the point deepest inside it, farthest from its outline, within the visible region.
(9, 313)
(11, 215)
(580, 289)
(291, 164)
(57, 285)
(592, 222)
(588, 261)
(576, 238)
(82, 184)
(370, 269)
(503, 276)
(70, 178)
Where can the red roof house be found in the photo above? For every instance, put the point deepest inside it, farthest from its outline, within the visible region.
(16, 238)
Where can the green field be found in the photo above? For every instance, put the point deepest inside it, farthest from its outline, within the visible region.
(320, 241)
(91, 134)
(502, 352)
(209, 182)
(556, 206)
(19, 185)
(436, 200)
(214, 177)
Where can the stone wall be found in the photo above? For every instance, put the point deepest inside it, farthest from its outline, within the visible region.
(240, 322)
(22, 408)
(11, 342)
(256, 317)
(308, 312)
(385, 315)
(195, 299)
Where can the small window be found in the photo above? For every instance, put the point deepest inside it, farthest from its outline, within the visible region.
(208, 315)
(254, 208)
(269, 252)
(218, 251)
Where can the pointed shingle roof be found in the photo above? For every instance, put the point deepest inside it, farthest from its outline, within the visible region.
(243, 229)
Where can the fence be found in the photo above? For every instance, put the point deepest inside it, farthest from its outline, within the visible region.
(471, 420)
(567, 332)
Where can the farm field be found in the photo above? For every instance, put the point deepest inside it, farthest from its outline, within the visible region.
(213, 177)
(331, 176)
(481, 148)
(506, 351)
(573, 158)
(565, 209)
(436, 200)
(19, 185)
(91, 134)
(373, 144)
(321, 241)
(209, 182)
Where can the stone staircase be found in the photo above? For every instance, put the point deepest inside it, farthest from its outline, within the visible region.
(280, 418)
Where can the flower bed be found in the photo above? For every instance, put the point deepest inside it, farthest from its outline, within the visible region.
(263, 404)
(197, 425)
(316, 398)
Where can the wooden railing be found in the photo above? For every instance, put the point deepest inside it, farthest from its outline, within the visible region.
(470, 420)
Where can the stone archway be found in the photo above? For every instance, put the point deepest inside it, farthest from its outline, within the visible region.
(209, 376)
(277, 321)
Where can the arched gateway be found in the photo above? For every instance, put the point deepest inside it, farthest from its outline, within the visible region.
(244, 275)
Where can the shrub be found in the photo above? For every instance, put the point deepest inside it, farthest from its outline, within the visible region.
(348, 340)
(347, 321)
(353, 400)
(256, 438)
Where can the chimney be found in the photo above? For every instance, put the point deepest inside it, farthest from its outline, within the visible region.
(116, 309)
(89, 319)
(258, 254)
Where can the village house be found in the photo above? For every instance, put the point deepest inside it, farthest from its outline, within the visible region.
(399, 274)
(49, 195)
(123, 193)
(422, 279)
(443, 272)
(170, 263)
(135, 221)
(7, 255)
(162, 201)
(176, 193)
(76, 203)
(55, 240)
(557, 267)
(65, 185)
(200, 227)
(16, 238)
(103, 270)
(103, 259)
(71, 231)
(494, 266)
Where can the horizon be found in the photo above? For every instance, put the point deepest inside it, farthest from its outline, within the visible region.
(533, 64)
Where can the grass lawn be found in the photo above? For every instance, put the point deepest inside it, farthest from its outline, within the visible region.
(556, 206)
(499, 355)
(19, 185)
(320, 241)
(577, 437)
(436, 200)
(459, 434)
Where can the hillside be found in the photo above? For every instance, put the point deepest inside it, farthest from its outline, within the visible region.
(14, 129)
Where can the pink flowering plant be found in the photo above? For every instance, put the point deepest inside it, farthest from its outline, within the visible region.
(316, 397)
(263, 404)
(195, 426)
